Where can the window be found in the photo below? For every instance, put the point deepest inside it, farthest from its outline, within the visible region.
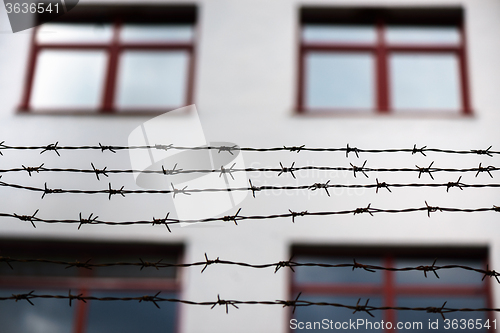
(459, 288)
(382, 60)
(56, 316)
(113, 59)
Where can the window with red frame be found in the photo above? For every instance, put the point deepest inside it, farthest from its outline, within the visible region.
(56, 316)
(112, 59)
(383, 60)
(458, 288)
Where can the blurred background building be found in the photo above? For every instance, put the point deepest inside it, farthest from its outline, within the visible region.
(373, 74)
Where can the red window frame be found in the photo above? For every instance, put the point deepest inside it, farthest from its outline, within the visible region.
(388, 290)
(381, 49)
(84, 282)
(114, 48)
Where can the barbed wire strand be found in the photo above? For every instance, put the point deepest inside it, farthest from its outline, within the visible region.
(276, 265)
(230, 149)
(236, 217)
(175, 171)
(297, 302)
(110, 191)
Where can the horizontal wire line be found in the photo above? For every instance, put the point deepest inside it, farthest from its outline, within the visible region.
(312, 187)
(276, 265)
(226, 303)
(234, 218)
(229, 149)
(170, 172)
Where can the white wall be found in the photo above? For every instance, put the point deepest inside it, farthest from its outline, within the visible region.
(245, 88)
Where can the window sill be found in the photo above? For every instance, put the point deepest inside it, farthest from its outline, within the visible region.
(358, 113)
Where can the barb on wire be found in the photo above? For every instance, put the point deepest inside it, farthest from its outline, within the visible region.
(490, 273)
(426, 269)
(483, 152)
(171, 172)
(152, 299)
(209, 262)
(253, 188)
(425, 170)
(78, 297)
(97, 171)
(362, 308)
(176, 191)
(33, 169)
(382, 185)
(418, 150)
(487, 169)
(162, 221)
(349, 150)
(283, 264)
(232, 217)
(285, 170)
(114, 192)
(455, 184)
(364, 267)
(90, 220)
(163, 147)
(294, 148)
(431, 209)
(368, 210)
(292, 303)
(2, 146)
(47, 190)
(437, 310)
(225, 303)
(229, 171)
(26, 297)
(316, 186)
(79, 264)
(228, 149)
(359, 169)
(295, 214)
(29, 218)
(51, 146)
(110, 148)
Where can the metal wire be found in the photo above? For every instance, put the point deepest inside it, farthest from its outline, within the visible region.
(185, 191)
(297, 302)
(175, 171)
(236, 217)
(230, 149)
(277, 265)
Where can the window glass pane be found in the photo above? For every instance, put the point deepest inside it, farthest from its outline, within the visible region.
(339, 80)
(424, 81)
(423, 35)
(338, 315)
(69, 79)
(47, 316)
(339, 33)
(74, 33)
(152, 79)
(131, 316)
(311, 274)
(451, 302)
(446, 276)
(156, 33)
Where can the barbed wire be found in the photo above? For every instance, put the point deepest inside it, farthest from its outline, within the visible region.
(93, 219)
(276, 265)
(230, 149)
(176, 171)
(297, 302)
(110, 191)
